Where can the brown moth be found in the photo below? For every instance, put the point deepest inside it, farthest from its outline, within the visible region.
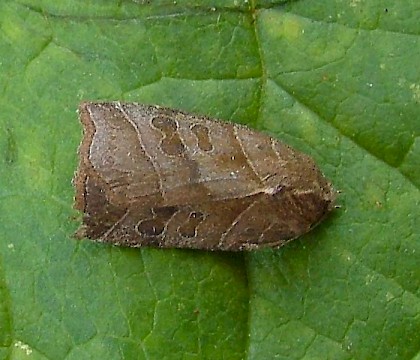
(153, 176)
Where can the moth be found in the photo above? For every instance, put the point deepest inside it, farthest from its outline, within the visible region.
(154, 176)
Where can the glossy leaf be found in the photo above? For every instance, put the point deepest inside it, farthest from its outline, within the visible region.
(337, 80)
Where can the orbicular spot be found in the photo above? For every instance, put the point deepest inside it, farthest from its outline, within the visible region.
(189, 228)
(151, 228)
(171, 143)
(203, 137)
(164, 124)
(155, 226)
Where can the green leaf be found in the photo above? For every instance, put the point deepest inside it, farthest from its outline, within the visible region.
(338, 80)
